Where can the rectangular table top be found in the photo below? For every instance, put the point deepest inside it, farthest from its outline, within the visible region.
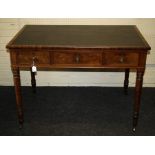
(81, 36)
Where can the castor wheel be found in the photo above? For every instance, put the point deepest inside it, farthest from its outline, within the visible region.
(134, 129)
(20, 126)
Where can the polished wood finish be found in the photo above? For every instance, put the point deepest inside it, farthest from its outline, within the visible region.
(40, 57)
(82, 47)
(77, 58)
(138, 90)
(17, 84)
(121, 59)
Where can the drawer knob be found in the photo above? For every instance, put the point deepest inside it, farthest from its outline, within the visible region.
(121, 59)
(34, 68)
(77, 59)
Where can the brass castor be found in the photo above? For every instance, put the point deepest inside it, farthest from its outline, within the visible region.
(20, 126)
(134, 129)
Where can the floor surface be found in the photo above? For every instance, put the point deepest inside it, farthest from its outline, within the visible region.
(76, 111)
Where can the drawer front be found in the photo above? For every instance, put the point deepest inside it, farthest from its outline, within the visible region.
(63, 58)
(39, 58)
(77, 58)
(120, 59)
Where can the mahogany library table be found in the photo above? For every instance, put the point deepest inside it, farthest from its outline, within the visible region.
(79, 48)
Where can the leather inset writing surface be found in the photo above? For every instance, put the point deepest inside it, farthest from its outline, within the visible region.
(99, 36)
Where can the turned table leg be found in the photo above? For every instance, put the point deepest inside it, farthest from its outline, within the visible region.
(33, 81)
(138, 90)
(17, 85)
(126, 81)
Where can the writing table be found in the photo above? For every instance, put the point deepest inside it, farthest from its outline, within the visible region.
(79, 47)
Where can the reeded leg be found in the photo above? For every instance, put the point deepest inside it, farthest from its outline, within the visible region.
(17, 85)
(33, 81)
(138, 90)
(126, 81)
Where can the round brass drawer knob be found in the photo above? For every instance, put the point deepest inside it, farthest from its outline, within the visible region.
(121, 60)
(77, 59)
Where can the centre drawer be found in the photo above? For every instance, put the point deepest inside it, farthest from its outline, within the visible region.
(77, 57)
